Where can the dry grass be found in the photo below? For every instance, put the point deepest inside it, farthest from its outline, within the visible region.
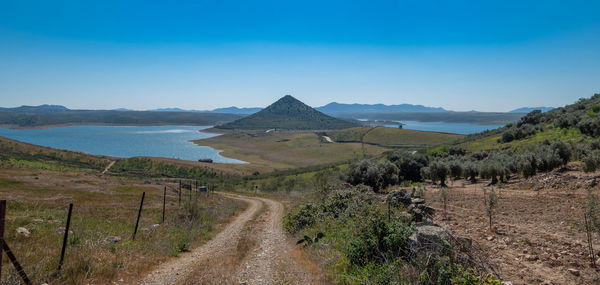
(286, 149)
(103, 206)
(394, 137)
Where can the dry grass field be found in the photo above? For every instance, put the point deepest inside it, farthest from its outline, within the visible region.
(277, 150)
(104, 207)
(393, 137)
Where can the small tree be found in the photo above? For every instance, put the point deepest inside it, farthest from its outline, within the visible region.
(563, 150)
(592, 222)
(438, 171)
(376, 174)
(444, 198)
(471, 171)
(491, 204)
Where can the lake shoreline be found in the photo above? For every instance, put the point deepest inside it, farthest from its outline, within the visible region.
(44, 127)
(124, 141)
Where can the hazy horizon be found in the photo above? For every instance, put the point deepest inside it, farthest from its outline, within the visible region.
(460, 56)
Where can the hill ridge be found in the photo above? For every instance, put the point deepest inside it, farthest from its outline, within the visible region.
(288, 113)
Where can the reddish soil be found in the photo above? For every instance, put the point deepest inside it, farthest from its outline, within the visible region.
(538, 235)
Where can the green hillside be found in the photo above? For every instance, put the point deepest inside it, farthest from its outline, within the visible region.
(578, 122)
(288, 114)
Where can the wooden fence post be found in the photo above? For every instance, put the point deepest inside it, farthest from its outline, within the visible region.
(164, 201)
(15, 262)
(2, 215)
(137, 222)
(180, 193)
(66, 237)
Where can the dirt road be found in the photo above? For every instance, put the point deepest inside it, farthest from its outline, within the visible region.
(252, 249)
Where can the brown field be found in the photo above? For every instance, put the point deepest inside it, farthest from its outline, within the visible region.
(277, 150)
(538, 233)
(104, 206)
(393, 137)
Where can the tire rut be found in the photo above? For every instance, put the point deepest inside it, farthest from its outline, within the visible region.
(252, 249)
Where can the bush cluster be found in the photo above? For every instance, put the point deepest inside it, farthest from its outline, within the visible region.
(376, 174)
(455, 164)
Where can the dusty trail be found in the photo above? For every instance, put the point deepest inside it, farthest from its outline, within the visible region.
(252, 249)
(109, 166)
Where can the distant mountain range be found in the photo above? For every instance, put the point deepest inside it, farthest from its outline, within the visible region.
(36, 109)
(46, 115)
(290, 114)
(236, 110)
(334, 107)
(228, 110)
(529, 109)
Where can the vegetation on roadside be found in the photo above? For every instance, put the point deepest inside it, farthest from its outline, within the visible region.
(100, 249)
(363, 245)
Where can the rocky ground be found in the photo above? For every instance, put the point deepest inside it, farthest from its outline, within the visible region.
(537, 235)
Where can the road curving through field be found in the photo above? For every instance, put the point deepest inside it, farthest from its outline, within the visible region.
(252, 249)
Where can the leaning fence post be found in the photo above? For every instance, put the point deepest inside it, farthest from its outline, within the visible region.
(2, 215)
(15, 262)
(66, 237)
(389, 212)
(137, 222)
(180, 193)
(164, 201)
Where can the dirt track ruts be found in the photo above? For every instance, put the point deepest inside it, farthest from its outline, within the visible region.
(252, 249)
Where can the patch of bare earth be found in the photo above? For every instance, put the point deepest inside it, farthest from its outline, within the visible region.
(253, 249)
(537, 237)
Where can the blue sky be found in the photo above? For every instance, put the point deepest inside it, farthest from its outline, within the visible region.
(460, 55)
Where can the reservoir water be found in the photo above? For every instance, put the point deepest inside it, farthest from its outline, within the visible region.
(456, 128)
(124, 141)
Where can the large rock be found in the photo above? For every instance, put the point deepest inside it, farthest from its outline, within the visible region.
(21, 231)
(433, 240)
(399, 197)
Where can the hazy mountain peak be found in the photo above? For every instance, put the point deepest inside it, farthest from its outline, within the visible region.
(288, 113)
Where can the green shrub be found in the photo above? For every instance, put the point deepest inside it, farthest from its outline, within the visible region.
(378, 242)
(300, 217)
(376, 174)
(592, 161)
(439, 151)
(410, 166)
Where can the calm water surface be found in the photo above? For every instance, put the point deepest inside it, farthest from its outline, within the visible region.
(457, 128)
(124, 141)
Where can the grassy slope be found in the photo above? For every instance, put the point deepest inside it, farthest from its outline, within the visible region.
(21, 154)
(286, 149)
(561, 123)
(103, 206)
(393, 137)
(40, 182)
(552, 134)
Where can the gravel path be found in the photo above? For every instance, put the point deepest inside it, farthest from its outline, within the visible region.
(252, 249)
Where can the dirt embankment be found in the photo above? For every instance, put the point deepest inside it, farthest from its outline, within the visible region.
(252, 249)
(538, 235)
